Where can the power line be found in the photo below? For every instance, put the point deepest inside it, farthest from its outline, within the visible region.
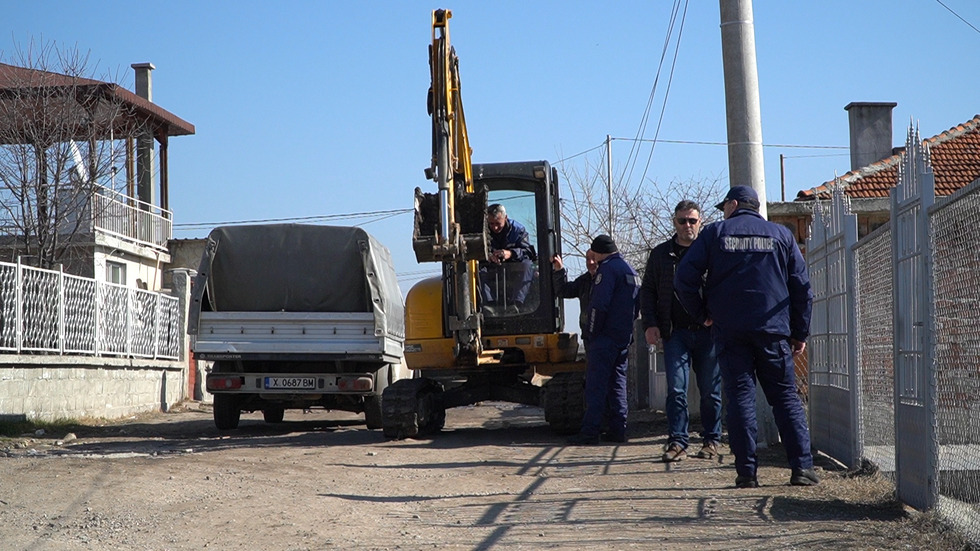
(958, 16)
(378, 214)
(696, 142)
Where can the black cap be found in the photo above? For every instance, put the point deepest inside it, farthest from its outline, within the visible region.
(743, 194)
(603, 244)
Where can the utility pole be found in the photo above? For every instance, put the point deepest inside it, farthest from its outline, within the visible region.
(609, 185)
(743, 114)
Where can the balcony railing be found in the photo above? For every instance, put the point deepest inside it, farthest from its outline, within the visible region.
(130, 219)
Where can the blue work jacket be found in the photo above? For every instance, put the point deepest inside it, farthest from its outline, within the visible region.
(747, 275)
(514, 238)
(613, 305)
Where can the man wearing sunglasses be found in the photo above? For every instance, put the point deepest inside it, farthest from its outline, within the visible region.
(686, 344)
(745, 277)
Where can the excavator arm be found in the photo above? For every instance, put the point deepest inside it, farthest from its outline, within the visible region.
(450, 225)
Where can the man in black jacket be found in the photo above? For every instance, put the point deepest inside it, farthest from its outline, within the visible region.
(580, 287)
(686, 344)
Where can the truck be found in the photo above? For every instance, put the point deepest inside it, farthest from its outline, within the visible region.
(461, 348)
(297, 316)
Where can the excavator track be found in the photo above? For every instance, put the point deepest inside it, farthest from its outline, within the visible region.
(411, 407)
(564, 402)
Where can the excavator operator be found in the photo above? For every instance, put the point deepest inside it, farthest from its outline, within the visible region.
(505, 278)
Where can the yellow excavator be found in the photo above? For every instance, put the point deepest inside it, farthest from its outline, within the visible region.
(466, 342)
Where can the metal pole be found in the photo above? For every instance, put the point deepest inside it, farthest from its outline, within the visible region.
(609, 181)
(782, 178)
(744, 117)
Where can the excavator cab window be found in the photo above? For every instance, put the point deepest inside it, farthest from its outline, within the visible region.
(510, 288)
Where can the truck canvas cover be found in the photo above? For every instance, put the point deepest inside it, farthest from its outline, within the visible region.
(302, 268)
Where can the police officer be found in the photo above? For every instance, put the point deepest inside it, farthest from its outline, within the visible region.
(757, 299)
(613, 306)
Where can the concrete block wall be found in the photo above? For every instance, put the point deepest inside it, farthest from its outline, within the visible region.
(49, 388)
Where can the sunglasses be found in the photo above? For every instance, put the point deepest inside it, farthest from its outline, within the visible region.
(691, 221)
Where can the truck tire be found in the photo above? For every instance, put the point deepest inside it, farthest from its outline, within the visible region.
(273, 414)
(564, 402)
(373, 416)
(226, 412)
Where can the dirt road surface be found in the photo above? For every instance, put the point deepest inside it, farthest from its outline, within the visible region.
(496, 478)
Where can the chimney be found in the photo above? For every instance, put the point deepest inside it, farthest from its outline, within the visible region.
(144, 142)
(870, 125)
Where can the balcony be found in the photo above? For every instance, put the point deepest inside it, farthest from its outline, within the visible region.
(130, 219)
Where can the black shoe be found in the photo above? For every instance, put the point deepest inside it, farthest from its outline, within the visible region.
(746, 481)
(583, 439)
(804, 477)
(612, 437)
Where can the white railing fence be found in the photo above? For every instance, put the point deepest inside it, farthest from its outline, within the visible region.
(48, 311)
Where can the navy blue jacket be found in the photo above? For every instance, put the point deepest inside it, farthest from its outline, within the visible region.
(756, 278)
(613, 305)
(514, 238)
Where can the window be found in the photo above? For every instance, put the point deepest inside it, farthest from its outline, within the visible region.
(115, 272)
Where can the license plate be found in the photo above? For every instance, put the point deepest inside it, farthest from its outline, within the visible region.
(290, 383)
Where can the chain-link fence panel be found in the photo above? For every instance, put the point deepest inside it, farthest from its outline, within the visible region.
(956, 280)
(873, 271)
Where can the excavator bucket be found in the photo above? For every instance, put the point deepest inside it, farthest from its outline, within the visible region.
(471, 212)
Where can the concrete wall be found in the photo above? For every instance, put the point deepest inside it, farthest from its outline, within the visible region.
(58, 387)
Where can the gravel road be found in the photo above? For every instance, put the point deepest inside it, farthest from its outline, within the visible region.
(496, 478)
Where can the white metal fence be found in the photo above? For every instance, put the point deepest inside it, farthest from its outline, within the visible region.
(913, 407)
(47, 311)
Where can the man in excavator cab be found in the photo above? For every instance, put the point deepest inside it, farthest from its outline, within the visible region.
(506, 275)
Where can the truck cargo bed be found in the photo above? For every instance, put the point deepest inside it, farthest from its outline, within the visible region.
(256, 335)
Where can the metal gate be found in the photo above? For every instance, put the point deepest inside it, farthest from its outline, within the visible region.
(833, 379)
(916, 452)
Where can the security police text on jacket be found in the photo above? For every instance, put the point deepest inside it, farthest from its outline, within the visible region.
(765, 288)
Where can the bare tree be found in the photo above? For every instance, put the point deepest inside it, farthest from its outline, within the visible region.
(641, 214)
(63, 136)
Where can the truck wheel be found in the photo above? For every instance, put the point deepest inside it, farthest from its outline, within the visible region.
(226, 412)
(273, 414)
(372, 412)
(564, 402)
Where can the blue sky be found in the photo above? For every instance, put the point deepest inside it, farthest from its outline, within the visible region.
(318, 108)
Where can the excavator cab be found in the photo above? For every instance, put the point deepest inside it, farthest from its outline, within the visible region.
(518, 297)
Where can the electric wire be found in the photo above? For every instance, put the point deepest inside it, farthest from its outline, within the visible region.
(958, 15)
(670, 80)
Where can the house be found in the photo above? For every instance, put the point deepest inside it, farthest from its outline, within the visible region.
(955, 156)
(84, 228)
(100, 206)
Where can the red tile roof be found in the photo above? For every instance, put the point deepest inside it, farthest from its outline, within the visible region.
(13, 77)
(955, 156)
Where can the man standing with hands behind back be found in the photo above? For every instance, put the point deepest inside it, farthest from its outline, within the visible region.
(757, 298)
(686, 344)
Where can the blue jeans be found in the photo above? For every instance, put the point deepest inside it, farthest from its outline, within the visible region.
(687, 349)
